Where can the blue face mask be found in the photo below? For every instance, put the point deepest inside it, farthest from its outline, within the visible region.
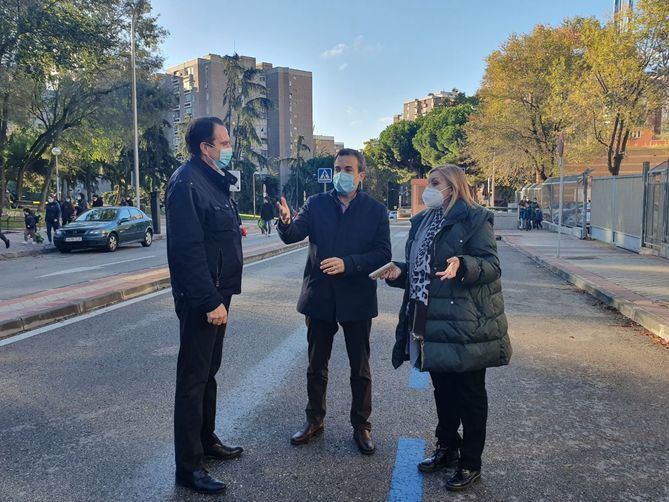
(344, 183)
(225, 158)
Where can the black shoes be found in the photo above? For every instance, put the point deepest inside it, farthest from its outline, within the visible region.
(442, 458)
(200, 481)
(308, 432)
(221, 452)
(462, 479)
(364, 440)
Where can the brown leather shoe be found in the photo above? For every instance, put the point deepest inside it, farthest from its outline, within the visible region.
(364, 439)
(308, 432)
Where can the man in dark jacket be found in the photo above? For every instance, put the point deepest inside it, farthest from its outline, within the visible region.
(349, 237)
(52, 216)
(267, 215)
(82, 204)
(204, 251)
(97, 201)
(67, 211)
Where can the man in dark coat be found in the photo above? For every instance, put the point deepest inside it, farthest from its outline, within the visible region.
(97, 201)
(82, 204)
(349, 237)
(267, 215)
(52, 216)
(204, 252)
(67, 211)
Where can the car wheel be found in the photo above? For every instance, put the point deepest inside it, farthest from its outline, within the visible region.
(112, 243)
(148, 238)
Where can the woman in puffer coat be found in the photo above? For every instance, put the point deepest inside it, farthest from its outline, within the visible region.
(452, 320)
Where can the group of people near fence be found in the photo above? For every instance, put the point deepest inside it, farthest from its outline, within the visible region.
(530, 215)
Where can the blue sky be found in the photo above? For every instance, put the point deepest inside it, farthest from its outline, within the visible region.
(367, 56)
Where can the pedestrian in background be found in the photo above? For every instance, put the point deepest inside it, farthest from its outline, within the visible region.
(52, 216)
(97, 201)
(539, 218)
(67, 211)
(30, 222)
(82, 204)
(349, 237)
(267, 215)
(521, 215)
(452, 320)
(204, 252)
(3, 237)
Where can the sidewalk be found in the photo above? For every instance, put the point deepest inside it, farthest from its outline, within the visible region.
(636, 285)
(46, 307)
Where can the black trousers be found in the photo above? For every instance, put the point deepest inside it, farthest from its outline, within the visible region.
(461, 398)
(200, 353)
(320, 335)
(51, 226)
(3, 238)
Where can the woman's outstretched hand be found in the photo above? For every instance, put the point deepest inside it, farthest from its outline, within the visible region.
(452, 269)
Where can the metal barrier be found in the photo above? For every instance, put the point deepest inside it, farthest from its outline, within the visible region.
(656, 209)
(617, 210)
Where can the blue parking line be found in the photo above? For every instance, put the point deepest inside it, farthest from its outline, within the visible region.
(419, 379)
(407, 482)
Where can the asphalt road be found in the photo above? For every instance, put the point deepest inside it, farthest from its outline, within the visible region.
(580, 414)
(33, 274)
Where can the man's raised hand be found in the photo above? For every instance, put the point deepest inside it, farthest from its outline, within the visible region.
(284, 211)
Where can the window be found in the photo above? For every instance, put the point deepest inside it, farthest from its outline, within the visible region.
(123, 213)
(99, 215)
(135, 214)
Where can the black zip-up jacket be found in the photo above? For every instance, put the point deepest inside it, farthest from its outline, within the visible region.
(52, 212)
(360, 237)
(204, 242)
(30, 221)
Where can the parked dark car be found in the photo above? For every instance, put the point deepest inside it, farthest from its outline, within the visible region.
(105, 227)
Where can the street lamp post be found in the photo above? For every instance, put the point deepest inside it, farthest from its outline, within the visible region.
(134, 101)
(561, 153)
(55, 151)
(255, 173)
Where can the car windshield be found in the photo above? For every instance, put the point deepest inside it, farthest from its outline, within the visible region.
(99, 215)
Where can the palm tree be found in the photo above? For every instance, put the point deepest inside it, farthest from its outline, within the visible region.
(246, 103)
(296, 166)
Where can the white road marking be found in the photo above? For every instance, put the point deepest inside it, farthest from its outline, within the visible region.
(83, 317)
(95, 267)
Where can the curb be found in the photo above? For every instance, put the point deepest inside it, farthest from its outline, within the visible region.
(640, 314)
(13, 327)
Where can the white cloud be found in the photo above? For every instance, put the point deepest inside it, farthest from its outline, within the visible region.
(359, 45)
(343, 66)
(335, 51)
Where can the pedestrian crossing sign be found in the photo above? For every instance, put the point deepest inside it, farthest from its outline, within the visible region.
(325, 175)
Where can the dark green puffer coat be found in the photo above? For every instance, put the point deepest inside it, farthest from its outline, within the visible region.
(466, 327)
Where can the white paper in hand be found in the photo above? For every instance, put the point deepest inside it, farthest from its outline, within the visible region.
(379, 272)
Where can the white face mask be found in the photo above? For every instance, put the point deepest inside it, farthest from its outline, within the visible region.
(433, 198)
